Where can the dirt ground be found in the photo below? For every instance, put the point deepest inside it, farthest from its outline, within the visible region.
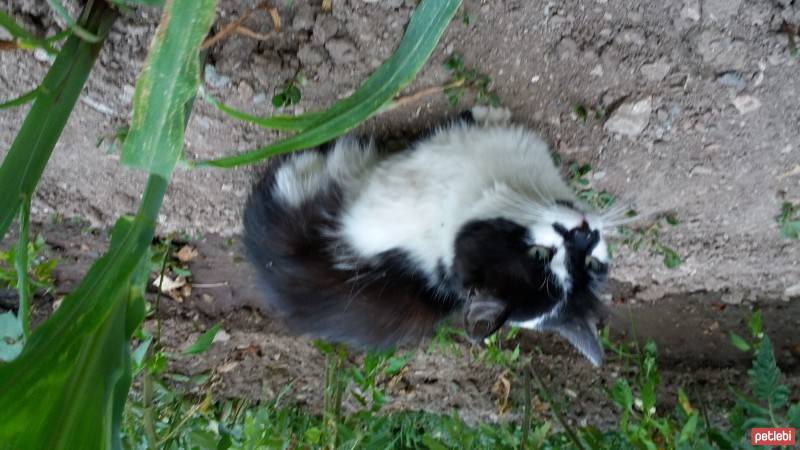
(703, 124)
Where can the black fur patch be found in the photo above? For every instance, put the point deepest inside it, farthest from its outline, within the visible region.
(379, 303)
(491, 256)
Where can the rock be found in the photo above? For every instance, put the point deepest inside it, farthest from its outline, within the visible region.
(733, 298)
(325, 28)
(311, 55)
(732, 79)
(303, 19)
(214, 79)
(746, 103)
(342, 51)
(566, 48)
(630, 119)
(597, 71)
(792, 291)
(656, 71)
(722, 52)
(720, 10)
(633, 37)
(691, 10)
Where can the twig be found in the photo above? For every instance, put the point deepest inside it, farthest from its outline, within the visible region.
(189, 414)
(402, 101)
(545, 392)
(234, 27)
(8, 45)
(209, 285)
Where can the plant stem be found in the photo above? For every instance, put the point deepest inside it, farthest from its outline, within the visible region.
(21, 266)
(545, 392)
(149, 417)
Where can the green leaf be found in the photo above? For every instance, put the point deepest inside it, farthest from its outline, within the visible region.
(165, 87)
(739, 342)
(21, 266)
(28, 155)
(671, 258)
(10, 336)
(22, 36)
(21, 100)
(765, 377)
(791, 229)
(312, 435)
(688, 428)
(76, 28)
(281, 123)
(203, 342)
(424, 30)
(794, 416)
(622, 394)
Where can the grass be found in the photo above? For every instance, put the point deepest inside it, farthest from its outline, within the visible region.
(206, 422)
(789, 220)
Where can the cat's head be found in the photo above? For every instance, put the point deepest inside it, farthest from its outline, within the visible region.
(544, 274)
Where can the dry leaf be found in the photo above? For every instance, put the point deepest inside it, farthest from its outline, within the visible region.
(186, 253)
(227, 367)
(502, 389)
(167, 284)
(327, 5)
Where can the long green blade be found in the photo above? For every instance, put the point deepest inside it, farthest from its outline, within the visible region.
(57, 393)
(23, 37)
(424, 30)
(21, 100)
(167, 82)
(281, 123)
(28, 155)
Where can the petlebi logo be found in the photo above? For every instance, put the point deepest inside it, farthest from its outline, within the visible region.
(772, 436)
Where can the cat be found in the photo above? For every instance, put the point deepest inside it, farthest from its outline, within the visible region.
(371, 249)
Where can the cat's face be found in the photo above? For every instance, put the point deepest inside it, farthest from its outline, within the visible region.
(543, 276)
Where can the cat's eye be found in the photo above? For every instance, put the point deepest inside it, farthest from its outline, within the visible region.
(541, 253)
(593, 264)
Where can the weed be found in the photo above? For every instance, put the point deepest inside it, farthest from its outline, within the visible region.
(580, 179)
(583, 113)
(649, 236)
(290, 94)
(468, 79)
(789, 220)
(40, 267)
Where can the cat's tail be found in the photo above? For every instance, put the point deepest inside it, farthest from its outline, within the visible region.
(309, 280)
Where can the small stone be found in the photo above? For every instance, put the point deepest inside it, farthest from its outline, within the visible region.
(722, 52)
(732, 79)
(720, 10)
(311, 55)
(792, 291)
(746, 103)
(221, 336)
(342, 51)
(691, 10)
(42, 56)
(633, 37)
(733, 298)
(566, 48)
(325, 28)
(597, 71)
(245, 91)
(656, 71)
(303, 19)
(630, 119)
(214, 79)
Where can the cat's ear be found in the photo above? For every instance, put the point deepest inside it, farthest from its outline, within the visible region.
(582, 334)
(483, 316)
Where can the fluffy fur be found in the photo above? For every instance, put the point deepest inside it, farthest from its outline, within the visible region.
(374, 249)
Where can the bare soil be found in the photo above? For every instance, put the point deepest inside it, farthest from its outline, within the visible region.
(716, 147)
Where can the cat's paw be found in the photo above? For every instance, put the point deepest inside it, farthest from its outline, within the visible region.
(490, 115)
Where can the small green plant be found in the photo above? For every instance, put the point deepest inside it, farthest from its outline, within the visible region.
(649, 237)
(583, 113)
(40, 267)
(464, 79)
(290, 94)
(789, 220)
(580, 179)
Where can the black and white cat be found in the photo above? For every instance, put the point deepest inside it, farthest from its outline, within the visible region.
(371, 248)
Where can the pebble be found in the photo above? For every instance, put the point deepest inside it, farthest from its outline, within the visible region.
(746, 103)
(630, 119)
(303, 19)
(214, 79)
(311, 55)
(325, 28)
(691, 10)
(792, 291)
(732, 79)
(566, 48)
(597, 71)
(342, 51)
(656, 71)
(720, 10)
(722, 52)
